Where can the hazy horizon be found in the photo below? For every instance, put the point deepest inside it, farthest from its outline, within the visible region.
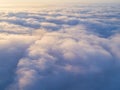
(50, 2)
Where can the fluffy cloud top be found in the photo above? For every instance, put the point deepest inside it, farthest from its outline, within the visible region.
(60, 49)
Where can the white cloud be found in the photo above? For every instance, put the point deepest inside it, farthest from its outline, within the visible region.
(58, 54)
(60, 49)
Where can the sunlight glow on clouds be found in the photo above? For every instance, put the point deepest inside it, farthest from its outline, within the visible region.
(63, 48)
(47, 2)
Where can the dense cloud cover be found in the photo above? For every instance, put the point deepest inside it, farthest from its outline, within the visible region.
(69, 48)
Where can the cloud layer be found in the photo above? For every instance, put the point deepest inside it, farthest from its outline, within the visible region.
(60, 49)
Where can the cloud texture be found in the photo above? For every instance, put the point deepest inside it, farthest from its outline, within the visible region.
(60, 49)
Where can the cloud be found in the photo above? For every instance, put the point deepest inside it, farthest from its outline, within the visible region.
(60, 49)
(12, 48)
(68, 61)
(49, 26)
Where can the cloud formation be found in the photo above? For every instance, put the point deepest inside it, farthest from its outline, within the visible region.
(60, 49)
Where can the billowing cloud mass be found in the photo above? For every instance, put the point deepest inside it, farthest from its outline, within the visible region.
(61, 48)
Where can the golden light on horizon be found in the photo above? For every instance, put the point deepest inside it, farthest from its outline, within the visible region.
(35, 3)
